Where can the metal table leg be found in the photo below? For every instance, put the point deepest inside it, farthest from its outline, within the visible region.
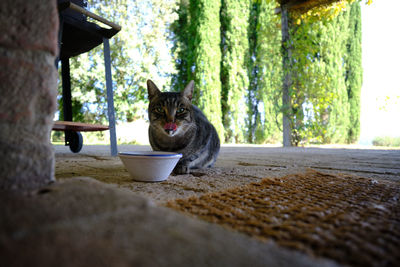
(110, 98)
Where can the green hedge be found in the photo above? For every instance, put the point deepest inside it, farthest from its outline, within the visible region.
(386, 141)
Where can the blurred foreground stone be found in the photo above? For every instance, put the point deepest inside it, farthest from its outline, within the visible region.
(83, 222)
(28, 88)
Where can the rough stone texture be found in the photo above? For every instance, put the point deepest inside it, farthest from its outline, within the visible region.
(28, 82)
(82, 222)
(29, 25)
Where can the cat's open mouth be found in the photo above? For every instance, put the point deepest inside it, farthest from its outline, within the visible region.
(170, 128)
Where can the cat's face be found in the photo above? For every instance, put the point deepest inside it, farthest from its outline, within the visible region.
(170, 113)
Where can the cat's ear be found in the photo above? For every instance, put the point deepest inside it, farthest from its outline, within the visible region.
(152, 89)
(188, 92)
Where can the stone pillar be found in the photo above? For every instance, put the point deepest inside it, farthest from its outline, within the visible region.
(28, 89)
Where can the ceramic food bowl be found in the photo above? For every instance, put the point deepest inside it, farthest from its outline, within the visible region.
(149, 166)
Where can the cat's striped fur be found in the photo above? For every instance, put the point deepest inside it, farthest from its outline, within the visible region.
(179, 126)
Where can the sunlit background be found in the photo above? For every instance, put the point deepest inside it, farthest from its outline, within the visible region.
(380, 94)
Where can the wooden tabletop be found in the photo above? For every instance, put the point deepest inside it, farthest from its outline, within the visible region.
(78, 126)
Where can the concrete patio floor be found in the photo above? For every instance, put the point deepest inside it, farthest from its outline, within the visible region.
(95, 215)
(236, 165)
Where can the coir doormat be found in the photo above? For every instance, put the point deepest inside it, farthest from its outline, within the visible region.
(352, 220)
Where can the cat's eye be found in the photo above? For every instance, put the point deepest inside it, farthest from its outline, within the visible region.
(180, 110)
(159, 109)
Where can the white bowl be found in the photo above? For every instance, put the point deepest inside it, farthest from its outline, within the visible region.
(149, 166)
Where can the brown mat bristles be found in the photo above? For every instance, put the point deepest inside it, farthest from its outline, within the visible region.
(354, 221)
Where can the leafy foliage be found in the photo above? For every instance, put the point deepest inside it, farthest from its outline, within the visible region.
(386, 141)
(232, 49)
(234, 72)
(265, 75)
(182, 49)
(321, 67)
(354, 72)
(200, 56)
(138, 52)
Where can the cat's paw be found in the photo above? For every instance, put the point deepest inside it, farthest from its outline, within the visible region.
(181, 169)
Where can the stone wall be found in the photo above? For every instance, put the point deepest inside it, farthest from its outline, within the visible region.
(28, 88)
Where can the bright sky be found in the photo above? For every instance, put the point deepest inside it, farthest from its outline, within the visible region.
(380, 95)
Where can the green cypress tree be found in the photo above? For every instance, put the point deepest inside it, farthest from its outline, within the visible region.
(204, 42)
(183, 55)
(265, 72)
(234, 76)
(354, 71)
(198, 56)
(335, 37)
(252, 98)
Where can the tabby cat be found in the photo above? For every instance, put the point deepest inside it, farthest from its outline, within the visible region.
(176, 125)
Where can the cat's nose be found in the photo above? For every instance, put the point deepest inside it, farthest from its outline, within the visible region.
(170, 118)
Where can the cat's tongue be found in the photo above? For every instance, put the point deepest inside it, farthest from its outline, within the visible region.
(170, 126)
